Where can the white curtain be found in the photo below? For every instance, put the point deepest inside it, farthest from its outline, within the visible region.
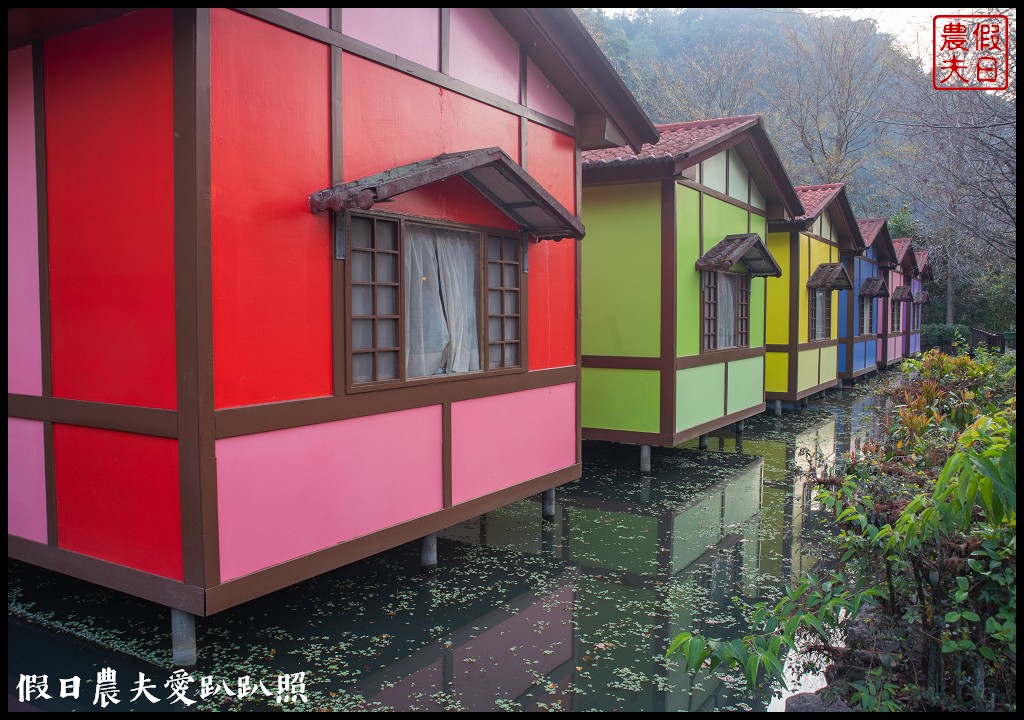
(441, 276)
(821, 315)
(728, 296)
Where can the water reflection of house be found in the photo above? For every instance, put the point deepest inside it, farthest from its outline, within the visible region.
(863, 421)
(233, 365)
(644, 549)
(788, 493)
(494, 656)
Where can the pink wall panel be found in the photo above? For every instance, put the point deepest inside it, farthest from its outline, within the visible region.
(26, 480)
(504, 440)
(542, 96)
(483, 53)
(118, 497)
(288, 493)
(24, 353)
(895, 348)
(321, 16)
(411, 33)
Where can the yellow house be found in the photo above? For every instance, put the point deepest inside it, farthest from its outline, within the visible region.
(803, 310)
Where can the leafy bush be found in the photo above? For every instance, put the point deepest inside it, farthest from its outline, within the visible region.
(927, 530)
(942, 336)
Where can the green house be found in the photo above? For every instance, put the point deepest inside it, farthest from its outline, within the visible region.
(673, 281)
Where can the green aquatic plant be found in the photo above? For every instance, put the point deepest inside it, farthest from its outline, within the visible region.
(926, 524)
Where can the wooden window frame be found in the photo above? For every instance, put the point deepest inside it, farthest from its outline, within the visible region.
(709, 310)
(897, 316)
(867, 312)
(709, 304)
(812, 314)
(518, 243)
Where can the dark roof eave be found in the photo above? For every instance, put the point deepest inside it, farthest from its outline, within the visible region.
(734, 248)
(570, 53)
(367, 191)
(830, 276)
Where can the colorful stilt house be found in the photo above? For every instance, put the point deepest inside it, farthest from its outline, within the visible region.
(896, 320)
(674, 281)
(860, 309)
(289, 287)
(803, 308)
(919, 298)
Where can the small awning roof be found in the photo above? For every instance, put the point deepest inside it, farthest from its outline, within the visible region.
(902, 294)
(830, 276)
(874, 287)
(921, 298)
(747, 247)
(489, 170)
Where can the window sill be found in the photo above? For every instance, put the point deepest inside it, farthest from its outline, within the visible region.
(354, 389)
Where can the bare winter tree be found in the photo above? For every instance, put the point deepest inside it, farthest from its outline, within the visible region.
(964, 160)
(838, 74)
(960, 171)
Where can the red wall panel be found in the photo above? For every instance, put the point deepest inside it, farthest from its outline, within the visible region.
(453, 199)
(118, 498)
(110, 197)
(392, 119)
(552, 288)
(271, 256)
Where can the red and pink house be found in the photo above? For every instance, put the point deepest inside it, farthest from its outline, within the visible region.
(894, 337)
(289, 287)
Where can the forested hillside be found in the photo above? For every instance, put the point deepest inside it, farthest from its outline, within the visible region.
(844, 102)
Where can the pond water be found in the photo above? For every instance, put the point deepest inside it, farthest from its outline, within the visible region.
(573, 614)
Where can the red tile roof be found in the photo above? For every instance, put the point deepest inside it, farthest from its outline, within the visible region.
(901, 246)
(869, 228)
(816, 198)
(677, 141)
(922, 259)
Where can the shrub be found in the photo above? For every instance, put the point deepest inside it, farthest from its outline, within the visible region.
(942, 336)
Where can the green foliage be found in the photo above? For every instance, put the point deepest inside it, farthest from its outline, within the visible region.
(875, 694)
(813, 611)
(927, 527)
(942, 336)
(902, 224)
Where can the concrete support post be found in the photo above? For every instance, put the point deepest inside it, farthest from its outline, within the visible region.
(739, 427)
(702, 442)
(778, 408)
(547, 504)
(428, 552)
(645, 458)
(183, 638)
